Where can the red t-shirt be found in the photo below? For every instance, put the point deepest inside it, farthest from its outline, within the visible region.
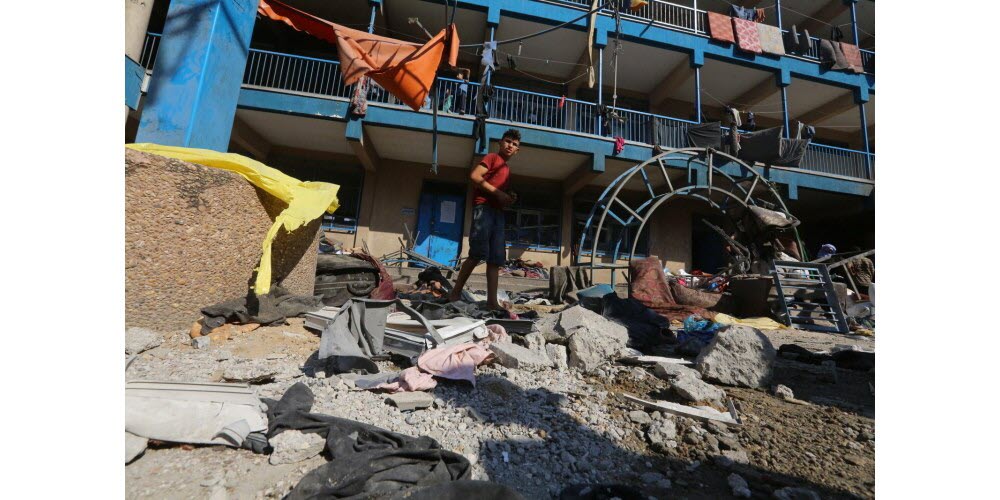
(496, 174)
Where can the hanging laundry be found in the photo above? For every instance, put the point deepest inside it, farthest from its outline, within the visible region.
(832, 56)
(720, 28)
(852, 54)
(359, 99)
(836, 34)
(407, 70)
(705, 135)
(733, 117)
(758, 15)
(791, 152)
(747, 13)
(747, 38)
(805, 131)
(805, 42)
(637, 4)
(562, 102)
(619, 144)
(792, 40)
(511, 63)
(734, 142)
(763, 146)
(488, 61)
(448, 101)
(751, 121)
(591, 27)
(770, 39)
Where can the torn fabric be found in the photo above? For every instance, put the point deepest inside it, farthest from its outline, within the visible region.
(407, 70)
(306, 200)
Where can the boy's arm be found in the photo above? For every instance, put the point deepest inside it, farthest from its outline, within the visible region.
(477, 178)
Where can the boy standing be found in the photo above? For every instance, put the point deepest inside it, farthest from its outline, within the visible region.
(486, 241)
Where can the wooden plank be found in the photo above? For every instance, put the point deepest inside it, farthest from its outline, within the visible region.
(704, 414)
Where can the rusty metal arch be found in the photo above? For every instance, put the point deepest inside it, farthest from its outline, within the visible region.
(696, 159)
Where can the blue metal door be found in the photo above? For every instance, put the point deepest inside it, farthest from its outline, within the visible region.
(439, 226)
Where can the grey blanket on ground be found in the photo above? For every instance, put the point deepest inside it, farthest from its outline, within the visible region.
(565, 282)
(266, 309)
(357, 333)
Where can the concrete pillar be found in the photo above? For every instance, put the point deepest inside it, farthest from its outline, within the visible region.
(199, 68)
(367, 208)
(136, 22)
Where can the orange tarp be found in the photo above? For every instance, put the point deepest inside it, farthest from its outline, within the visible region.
(404, 69)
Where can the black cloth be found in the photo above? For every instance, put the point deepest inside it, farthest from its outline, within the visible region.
(790, 152)
(763, 146)
(565, 281)
(272, 307)
(430, 275)
(645, 327)
(365, 461)
(792, 40)
(661, 133)
(705, 135)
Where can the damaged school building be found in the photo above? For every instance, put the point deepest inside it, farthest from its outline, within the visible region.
(265, 90)
(687, 303)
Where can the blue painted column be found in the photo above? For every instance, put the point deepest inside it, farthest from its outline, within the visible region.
(599, 128)
(854, 21)
(861, 100)
(777, 12)
(784, 79)
(199, 69)
(697, 60)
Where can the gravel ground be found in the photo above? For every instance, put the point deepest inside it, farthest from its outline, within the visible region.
(537, 432)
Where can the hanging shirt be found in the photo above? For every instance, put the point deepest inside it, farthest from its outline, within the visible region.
(747, 13)
(497, 174)
(488, 48)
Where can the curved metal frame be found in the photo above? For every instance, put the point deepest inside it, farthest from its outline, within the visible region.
(701, 156)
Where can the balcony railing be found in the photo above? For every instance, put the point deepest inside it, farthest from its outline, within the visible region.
(689, 19)
(322, 78)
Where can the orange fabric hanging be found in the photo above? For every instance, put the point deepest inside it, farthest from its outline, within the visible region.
(405, 69)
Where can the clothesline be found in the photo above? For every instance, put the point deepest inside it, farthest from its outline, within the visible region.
(826, 23)
(716, 99)
(538, 33)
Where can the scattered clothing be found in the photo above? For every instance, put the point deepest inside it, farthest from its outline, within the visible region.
(476, 310)
(720, 28)
(456, 362)
(747, 38)
(770, 39)
(524, 268)
(270, 308)
(648, 285)
(699, 329)
(758, 323)
(365, 461)
(407, 70)
(565, 282)
(862, 271)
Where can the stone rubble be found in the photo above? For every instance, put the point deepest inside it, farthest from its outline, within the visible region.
(738, 356)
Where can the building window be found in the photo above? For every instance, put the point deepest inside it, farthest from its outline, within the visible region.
(533, 222)
(611, 231)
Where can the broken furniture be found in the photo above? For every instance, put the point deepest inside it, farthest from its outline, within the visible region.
(343, 277)
(806, 298)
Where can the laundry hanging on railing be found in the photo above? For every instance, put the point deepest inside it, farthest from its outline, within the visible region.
(748, 13)
(407, 70)
(747, 38)
(852, 54)
(619, 144)
(797, 43)
(488, 60)
(720, 28)
(637, 4)
(770, 148)
(705, 135)
(770, 39)
(751, 121)
(359, 98)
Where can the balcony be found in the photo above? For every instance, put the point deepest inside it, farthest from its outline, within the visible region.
(694, 21)
(321, 78)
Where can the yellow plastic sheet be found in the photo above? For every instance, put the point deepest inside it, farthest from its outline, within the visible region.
(758, 323)
(306, 200)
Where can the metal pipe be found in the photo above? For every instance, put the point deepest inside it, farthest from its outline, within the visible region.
(854, 23)
(784, 110)
(777, 10)
(371, 22)
(600, 89)
(697, 94)
(864, 139)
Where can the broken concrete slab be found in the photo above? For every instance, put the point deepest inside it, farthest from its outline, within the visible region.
(702, 413)
(652, 360)
(535, 341)
(669, 371)
(201, 342)
(134, 446)
(292, 446)
(737, 456)
(138, 340)
(252, 372)
(559, 355)
(522, 358)
(566, 323)
(696, 390)
(591, 347)
(640, 417)
(409, 401)
(738, 356)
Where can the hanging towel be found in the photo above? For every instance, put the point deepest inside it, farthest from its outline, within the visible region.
(488, 61)
(359, 99)
(792, 40)
(407, 70)
(619, 144)
(733, 117)
(790, 152)
(747, 38)
(763, 146)
(734, 142)
(830, 54)
(747, 13)
(853, 57)
(638, 4)
(591, 27)
(770, 39)
(720, 28)
(562, 101)
(805, 42)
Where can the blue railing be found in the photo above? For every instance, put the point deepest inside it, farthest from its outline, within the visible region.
(322, 77)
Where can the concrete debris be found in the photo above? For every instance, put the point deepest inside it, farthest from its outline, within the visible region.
(251, 372)
(409, 401)
(134, 446)
(739, 485)
(796, 494)
(697, 391)
(640, 417)
(663, 432)
(201, 342)
(522, 358)
(738, 356)
(783, 392)
(558, 328)
(559, 356)
(702, 413)
(535, 341)
(591, 348)
(670, 371)
(291, 446)
(739, 456)
(138, 340)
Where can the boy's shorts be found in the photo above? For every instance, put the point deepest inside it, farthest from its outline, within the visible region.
(486, 241)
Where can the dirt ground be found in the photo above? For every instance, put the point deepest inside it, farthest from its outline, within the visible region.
(823, 440)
